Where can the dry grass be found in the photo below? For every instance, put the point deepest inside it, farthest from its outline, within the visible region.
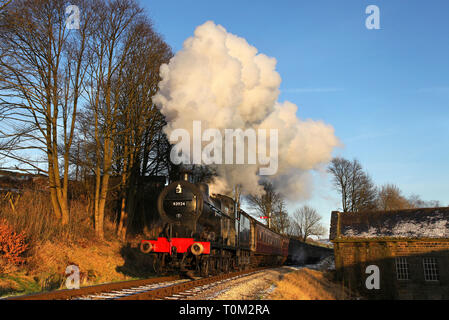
(47, 262)
(32, 213)
(97, 263)
(54, 247)
(307, 284)
(8, 286)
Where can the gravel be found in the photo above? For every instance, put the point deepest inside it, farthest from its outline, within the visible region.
(253, 287)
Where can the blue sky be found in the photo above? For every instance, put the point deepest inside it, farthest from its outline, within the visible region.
(386, 92)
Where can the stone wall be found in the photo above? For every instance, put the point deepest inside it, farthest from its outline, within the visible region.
(353, 256)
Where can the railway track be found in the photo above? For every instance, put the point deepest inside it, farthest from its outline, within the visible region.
(191, 288)
(97, 290)
(163, 288)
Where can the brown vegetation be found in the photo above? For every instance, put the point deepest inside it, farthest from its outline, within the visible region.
(12, 244)
(33, 215)
(35, 248)
(307, 284)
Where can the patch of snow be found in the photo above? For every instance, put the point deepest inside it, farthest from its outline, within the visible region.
(435, 226)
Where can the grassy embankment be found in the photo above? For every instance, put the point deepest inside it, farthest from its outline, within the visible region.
(308, 284)
(51, 248)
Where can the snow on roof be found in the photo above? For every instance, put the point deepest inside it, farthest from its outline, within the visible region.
(411, 223)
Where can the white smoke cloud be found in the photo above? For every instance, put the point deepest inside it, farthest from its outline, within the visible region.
(221, 80)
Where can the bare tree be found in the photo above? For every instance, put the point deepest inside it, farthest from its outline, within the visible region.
(280, 220)
(120, 128)
(267, 203)
(355, 186)
(415, 201)
(42, 69)
(140, 123)
(109, 48)
(363, 190)
(4, 4)
(340, 169)
(390, 198)
(433, 204)
(307, 222)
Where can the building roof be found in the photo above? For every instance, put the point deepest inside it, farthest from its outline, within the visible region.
(425, 223)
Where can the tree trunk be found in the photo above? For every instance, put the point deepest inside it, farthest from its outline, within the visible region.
(97, 199)
(128, 208)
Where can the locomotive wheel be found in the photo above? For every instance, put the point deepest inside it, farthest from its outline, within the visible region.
(205, 268)
(218, 265)
(226, 265)
(213, 266)
(159, 263)
(233, 264)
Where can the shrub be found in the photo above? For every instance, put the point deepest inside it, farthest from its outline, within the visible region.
(12, 244)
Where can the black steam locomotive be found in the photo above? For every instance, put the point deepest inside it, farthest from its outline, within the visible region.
(207, 234)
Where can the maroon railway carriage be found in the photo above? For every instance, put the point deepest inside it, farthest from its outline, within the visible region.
(271, 248)
(207, 233)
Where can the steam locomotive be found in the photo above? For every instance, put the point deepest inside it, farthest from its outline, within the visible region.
(207, 234)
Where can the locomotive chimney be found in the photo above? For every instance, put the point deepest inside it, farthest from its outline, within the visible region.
(186, 175)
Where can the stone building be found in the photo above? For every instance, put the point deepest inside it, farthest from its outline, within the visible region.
(409, 247)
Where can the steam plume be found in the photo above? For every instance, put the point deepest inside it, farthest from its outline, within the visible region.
(221, 80)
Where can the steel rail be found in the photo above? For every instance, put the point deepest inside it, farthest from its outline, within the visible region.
(68, 294)
(164, 292)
